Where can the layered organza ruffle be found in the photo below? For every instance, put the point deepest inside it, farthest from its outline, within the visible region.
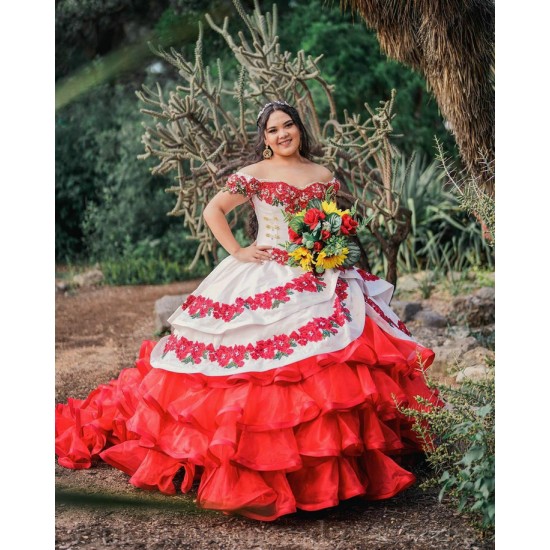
(259, 444)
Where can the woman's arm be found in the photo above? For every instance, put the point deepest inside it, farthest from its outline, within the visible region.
(214, 215)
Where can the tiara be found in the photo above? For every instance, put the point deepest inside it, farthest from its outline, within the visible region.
(267, 105)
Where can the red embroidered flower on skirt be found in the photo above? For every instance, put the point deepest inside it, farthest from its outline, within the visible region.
(278, 346)
(200, 306)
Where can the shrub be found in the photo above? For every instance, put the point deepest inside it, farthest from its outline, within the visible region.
(460, 444)
(443, 237)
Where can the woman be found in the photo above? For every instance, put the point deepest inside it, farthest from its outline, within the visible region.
(275, 390)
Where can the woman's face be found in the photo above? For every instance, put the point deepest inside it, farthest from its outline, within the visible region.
(282, 134)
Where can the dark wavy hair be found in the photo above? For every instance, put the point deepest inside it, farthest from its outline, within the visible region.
(305, 140)
(259, 145)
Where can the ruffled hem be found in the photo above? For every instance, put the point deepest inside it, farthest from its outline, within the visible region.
(261, 444)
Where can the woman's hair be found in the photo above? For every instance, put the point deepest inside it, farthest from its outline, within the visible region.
(305, 140)
(259, 145)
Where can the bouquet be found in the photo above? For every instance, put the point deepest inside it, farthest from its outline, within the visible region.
(320, 236)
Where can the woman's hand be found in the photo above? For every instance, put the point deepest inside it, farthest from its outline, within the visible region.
(253, 253)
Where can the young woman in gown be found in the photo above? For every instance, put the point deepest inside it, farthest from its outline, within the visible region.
(275, 389)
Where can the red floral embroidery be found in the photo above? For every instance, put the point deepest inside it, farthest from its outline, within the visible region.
(292, 199)
(280, 256)
(200, 306)
(367, 276)
(278, 346)
(400, 324)
(237, 183)
(279, 193)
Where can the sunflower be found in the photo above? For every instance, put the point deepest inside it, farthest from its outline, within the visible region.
(302, 256)
(330, 207)
(328, 262)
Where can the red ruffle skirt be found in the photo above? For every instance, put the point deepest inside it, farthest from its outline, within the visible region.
(305, 435)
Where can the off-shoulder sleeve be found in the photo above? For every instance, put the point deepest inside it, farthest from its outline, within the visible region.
(335, 184)
(242, 184)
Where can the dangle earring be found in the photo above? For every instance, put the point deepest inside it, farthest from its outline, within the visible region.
(267, 152)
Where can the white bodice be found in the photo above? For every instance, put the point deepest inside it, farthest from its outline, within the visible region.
(272, 227)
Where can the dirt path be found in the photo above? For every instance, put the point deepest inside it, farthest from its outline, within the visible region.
(98, 332)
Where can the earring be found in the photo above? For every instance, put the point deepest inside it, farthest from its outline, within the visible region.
(267, 152)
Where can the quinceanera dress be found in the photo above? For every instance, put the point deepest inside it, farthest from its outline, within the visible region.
(274, 391)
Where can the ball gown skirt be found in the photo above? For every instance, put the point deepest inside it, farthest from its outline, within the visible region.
(276, 390)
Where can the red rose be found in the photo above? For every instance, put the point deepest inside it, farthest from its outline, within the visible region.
(348, 225)
(325, 235)
(312, 217)
(294, 237)
(317, 246)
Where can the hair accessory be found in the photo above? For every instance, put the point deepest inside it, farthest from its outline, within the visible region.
(267, 105)
(267, 153)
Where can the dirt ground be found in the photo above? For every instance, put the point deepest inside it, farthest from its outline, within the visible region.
(99, 332)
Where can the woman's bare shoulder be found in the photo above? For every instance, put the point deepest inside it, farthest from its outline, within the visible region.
(254, 170)
(320, 172)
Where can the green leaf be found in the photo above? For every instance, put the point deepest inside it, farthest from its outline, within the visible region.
(484, 411)
(335, 222)
(297, 225)
(314, 203)
(474, 453)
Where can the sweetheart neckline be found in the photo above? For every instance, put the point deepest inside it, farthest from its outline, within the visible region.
(289, 184)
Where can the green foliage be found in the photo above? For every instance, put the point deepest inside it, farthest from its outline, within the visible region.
(460, 444)
(459, 438)
(157, 261)
(148, 271)
(472, 192)
(443, 237)
(353, 63)
(104, 197)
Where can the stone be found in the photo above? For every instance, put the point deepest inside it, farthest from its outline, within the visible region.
(456, 332)
(476, 356)
(476, 372)
(407, 283)
(461, 344)
(430, 318)
(486, 293)
(62, 286)
(405, 310)
(89, 278)
(164, 307)
(477, 310)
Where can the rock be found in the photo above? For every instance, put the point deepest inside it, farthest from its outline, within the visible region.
(407, 283)
(61, 286)
(164, 307)
(88, 278)
(476, 310)
(430, 318)
(458, 332)
(465, 354)
(477, 372)
(486, 293)
(405, 310)
(453, 351)
(477, 356)
(461, 344)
